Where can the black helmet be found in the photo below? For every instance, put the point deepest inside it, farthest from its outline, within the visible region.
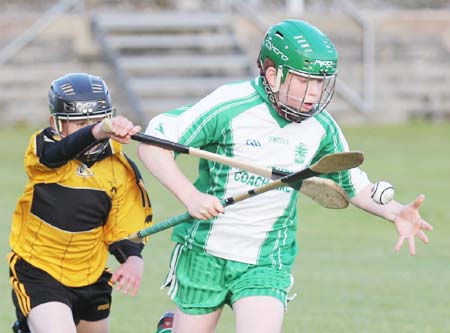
(79, 96)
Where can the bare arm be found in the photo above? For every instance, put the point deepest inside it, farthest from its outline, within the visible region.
(363, 201)
(161, 164)
(128, 275)
(406, 218)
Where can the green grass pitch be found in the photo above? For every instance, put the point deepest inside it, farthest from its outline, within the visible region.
(347, 277)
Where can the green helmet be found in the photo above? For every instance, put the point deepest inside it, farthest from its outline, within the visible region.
(297, 47)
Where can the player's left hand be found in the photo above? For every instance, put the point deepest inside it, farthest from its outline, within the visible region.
(129, 275)
(410, 224)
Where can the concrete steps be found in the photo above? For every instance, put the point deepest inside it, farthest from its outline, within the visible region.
(163, 22)
(166, 42)
(159, 105)
(26, 79)
(194, 64)
(30, 74)
(173, 58)
(164, 86)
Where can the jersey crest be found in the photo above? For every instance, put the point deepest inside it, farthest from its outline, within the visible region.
(84, 171)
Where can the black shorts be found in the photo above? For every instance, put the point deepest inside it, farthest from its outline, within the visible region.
(32, 286)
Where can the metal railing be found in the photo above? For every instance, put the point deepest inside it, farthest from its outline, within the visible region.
(365, 101)
(123, 79)
(15, 45)
(292, 7)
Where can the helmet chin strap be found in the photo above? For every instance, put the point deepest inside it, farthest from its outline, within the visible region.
(94, 152)
(271, 91)
(57, 123)
(278, 81)
(282, 110)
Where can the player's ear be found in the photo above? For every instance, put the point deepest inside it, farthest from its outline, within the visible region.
(271, 76)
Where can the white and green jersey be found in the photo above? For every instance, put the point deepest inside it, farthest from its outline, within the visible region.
(237, 120)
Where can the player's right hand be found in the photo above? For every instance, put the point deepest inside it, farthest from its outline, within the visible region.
(118, 128)
(203, 206)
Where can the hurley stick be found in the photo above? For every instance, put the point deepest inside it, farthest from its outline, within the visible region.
(324, 191)
(327, 164)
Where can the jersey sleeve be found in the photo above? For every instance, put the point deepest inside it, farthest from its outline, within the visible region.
(195, 126)
(130, 212)
(45, 154)
(334, 141)
(34, 166)
(55, 153)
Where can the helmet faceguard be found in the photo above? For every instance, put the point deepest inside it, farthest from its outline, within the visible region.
(297, 49)
(82, 97)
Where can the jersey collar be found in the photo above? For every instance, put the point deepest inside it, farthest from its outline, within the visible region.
(258, 86)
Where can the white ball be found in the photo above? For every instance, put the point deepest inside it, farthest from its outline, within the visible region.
(382, 193)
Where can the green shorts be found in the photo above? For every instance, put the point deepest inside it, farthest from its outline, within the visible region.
(201, 283)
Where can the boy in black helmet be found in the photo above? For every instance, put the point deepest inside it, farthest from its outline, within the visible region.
(83, 197)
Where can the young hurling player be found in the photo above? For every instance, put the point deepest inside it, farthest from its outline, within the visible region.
(243, 257)
(83, 197)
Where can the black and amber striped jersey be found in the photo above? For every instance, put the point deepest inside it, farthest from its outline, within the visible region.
(71, 214)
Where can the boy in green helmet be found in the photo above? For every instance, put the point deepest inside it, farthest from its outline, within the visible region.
(243, 257)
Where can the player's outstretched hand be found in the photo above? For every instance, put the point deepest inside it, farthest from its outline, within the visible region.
(128, 276)
(410, 224)
(118, 128)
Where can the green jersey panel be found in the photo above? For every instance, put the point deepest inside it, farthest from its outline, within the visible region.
(238, 121)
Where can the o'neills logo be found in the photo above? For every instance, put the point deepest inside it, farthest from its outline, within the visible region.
(275, 50)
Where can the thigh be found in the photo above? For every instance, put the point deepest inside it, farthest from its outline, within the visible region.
(260, 281)
(99, 326)
(259, 298)
(186, 323)
(51, 317)
(259, 314)
(32, 287)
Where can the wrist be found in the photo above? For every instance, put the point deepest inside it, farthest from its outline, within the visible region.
(187, 196)
(97, 132)
(136, 258)
(394, 210)
(125, 249)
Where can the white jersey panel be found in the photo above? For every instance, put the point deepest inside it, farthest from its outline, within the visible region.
(240, 232)
(235, 120)
(358, 178)
(171, 126)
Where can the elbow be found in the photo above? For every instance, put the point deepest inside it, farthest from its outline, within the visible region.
(140, 150)
(145, 151)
